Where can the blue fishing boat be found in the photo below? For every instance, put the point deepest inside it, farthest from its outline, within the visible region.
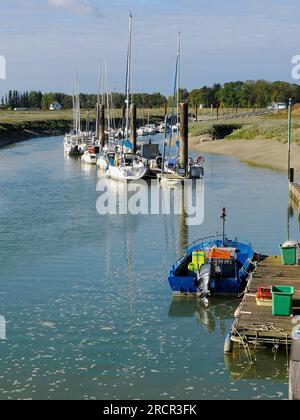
(213, 266)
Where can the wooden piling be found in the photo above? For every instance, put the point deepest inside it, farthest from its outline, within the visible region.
(97, 121)
(133, 127)
(124, 120)
(291, 174)
(212, 122)
(294, 381)
(102, 125)
(289, 135)
(184, 134)
(166, 111)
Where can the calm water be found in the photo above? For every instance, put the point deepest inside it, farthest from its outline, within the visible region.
(88, 308)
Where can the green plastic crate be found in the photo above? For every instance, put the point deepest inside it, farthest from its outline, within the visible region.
(282, 297)
(289, 255)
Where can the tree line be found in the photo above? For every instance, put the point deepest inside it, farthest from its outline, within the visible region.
(37, 99)
(249, 94)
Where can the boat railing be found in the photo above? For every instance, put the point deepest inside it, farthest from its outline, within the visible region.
(216, 236)
(193, 244)
(197, 241)
(206, 239)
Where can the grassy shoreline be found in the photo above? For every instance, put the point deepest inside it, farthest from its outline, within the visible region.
(15, 132)
(257, 141)
(18, 126)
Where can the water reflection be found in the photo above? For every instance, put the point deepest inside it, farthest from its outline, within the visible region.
(266, 366)
(212, 318)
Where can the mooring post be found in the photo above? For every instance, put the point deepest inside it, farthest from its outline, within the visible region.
(292, 174)
(294, 391)
(212, 121)
(289, 134)
(102, 125)
(184, 135)
(133, 127)
(87, 123)
(97, 121)
(124, 120)
(166, 111)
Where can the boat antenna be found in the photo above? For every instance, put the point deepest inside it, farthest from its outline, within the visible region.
(223, 217)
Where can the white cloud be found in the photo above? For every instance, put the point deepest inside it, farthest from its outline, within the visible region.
(80, 7)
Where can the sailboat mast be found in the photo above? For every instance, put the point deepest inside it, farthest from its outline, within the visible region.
(78, 102)
(178, 80)
(128, 81)
(99, 82)
(107, 100)
(73, 102)
(175, 93)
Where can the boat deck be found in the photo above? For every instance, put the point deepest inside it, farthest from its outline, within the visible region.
(255, 323)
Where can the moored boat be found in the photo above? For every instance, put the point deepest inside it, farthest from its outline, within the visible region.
(91, 155)
(126, 167)
(213, 266)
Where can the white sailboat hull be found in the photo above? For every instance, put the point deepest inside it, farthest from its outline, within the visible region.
(126, 173)
(102, 163)
(90, 158)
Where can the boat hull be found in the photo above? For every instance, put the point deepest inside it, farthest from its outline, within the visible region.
(183, 281)
(90, 159)
(126, 173)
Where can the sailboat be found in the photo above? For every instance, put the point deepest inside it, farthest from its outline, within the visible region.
(126, 166)
(109, 146)
(171, 170)
(75, 141)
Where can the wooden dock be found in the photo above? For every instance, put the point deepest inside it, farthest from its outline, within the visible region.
(295, 195)
(255, 324)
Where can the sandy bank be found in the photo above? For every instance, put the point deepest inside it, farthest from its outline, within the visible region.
(265, 153)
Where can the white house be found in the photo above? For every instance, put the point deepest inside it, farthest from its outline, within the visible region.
(56, 106)
(278, 106)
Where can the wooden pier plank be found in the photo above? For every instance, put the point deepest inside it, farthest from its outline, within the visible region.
(256, 321)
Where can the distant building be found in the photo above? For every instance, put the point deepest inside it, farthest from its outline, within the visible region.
(56, 106)
(278, 106)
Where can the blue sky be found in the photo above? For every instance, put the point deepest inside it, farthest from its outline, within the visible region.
(44, 40)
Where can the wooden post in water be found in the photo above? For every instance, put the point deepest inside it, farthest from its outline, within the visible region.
(292, 174)
(166, 111)
(97, 121)
(212, 122)
(133, 127)
(184, 135)
(183, 227)
(289, 135)
(123, 120)
(294, 391)
(102, 125)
